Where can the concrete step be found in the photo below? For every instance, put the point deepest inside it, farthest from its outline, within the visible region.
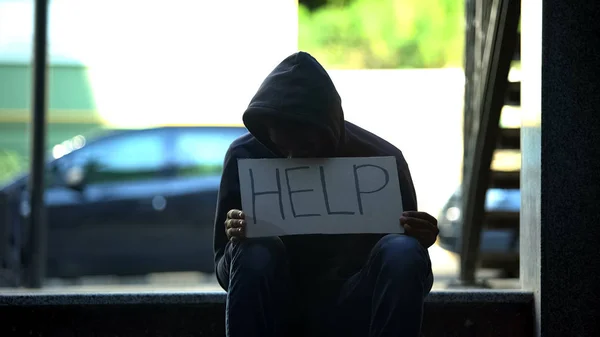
(447, 313)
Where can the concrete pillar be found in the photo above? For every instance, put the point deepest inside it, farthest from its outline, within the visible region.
(560, 183)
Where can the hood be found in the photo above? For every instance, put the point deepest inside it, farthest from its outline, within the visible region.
(298, 89)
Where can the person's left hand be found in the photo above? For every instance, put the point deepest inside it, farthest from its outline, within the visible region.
(421, 226)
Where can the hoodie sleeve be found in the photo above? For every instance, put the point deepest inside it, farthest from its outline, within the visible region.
(407, 188)
(228, 198)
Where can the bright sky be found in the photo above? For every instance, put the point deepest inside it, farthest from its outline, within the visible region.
(189, 60)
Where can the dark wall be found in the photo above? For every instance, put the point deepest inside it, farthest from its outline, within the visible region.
(570, 168)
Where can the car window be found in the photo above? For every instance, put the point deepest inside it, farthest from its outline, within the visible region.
(135, 156)
(200, 152)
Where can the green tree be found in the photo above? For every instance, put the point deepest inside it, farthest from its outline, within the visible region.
(384, 34)
(11, 164)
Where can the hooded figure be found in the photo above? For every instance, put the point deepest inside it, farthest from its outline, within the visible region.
(297, 112)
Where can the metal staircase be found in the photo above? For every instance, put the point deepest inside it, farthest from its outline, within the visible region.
(493, 43)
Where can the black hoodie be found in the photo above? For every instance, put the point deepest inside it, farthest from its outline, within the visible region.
(299, 89)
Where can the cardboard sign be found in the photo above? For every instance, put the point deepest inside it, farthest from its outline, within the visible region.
(320, 196)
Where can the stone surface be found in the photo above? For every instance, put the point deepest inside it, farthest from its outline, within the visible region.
(447, 313)
(26, 299)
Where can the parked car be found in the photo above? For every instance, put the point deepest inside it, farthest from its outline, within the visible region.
(132, 202)
(499, 248)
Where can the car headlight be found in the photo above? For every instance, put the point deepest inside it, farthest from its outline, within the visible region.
(453, 214)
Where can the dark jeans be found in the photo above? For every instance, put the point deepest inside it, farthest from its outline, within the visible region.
(385, 298)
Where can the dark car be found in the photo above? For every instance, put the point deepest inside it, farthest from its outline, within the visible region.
(499, 248)
(132, 202)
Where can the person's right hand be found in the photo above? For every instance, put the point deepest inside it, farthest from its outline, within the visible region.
(235, 225)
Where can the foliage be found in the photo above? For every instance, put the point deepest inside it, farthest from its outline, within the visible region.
(11, 164)
(384, 33)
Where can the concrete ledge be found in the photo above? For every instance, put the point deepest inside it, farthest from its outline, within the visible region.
(218, 297)
(447, 313)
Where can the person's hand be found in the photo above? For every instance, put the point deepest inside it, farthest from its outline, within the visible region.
(235, 225)
(421, 226)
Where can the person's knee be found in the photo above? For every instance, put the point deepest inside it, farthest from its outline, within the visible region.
(257, 256)
(401, 255)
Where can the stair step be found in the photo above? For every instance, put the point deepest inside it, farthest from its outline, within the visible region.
(505, 179)
(447, 313)
(509, 139)
(513, 94)
(517, 54)
(501, 220)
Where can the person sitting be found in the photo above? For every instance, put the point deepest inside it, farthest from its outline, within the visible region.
(342, 285)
